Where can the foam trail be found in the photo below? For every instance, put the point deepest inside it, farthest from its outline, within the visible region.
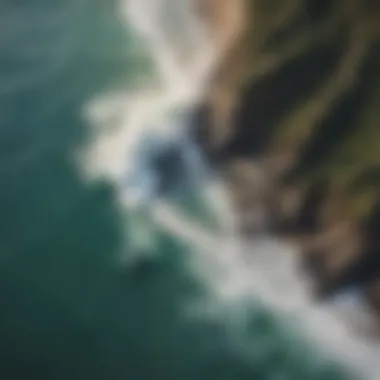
(183, 64)
(267, 270)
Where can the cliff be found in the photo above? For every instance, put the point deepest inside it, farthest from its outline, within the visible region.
(296, 88)
(228, 23)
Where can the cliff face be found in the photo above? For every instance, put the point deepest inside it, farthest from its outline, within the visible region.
(226, 19)
(228, 23)
(296, 88)
(251, 40)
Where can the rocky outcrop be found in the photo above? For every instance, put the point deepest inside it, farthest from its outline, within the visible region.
(228, 21)
(291, 86)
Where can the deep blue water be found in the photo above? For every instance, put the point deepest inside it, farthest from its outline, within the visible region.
(67, 310)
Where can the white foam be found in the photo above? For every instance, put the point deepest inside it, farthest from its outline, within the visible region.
(267, 270)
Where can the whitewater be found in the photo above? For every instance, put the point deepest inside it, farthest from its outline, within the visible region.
(185, 53)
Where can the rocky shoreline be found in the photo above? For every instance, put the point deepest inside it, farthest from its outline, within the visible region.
(231, 107)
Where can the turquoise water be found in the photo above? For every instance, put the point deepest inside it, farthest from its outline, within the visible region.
(68, 310)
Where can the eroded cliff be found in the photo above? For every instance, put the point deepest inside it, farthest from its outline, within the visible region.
(295, 91)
